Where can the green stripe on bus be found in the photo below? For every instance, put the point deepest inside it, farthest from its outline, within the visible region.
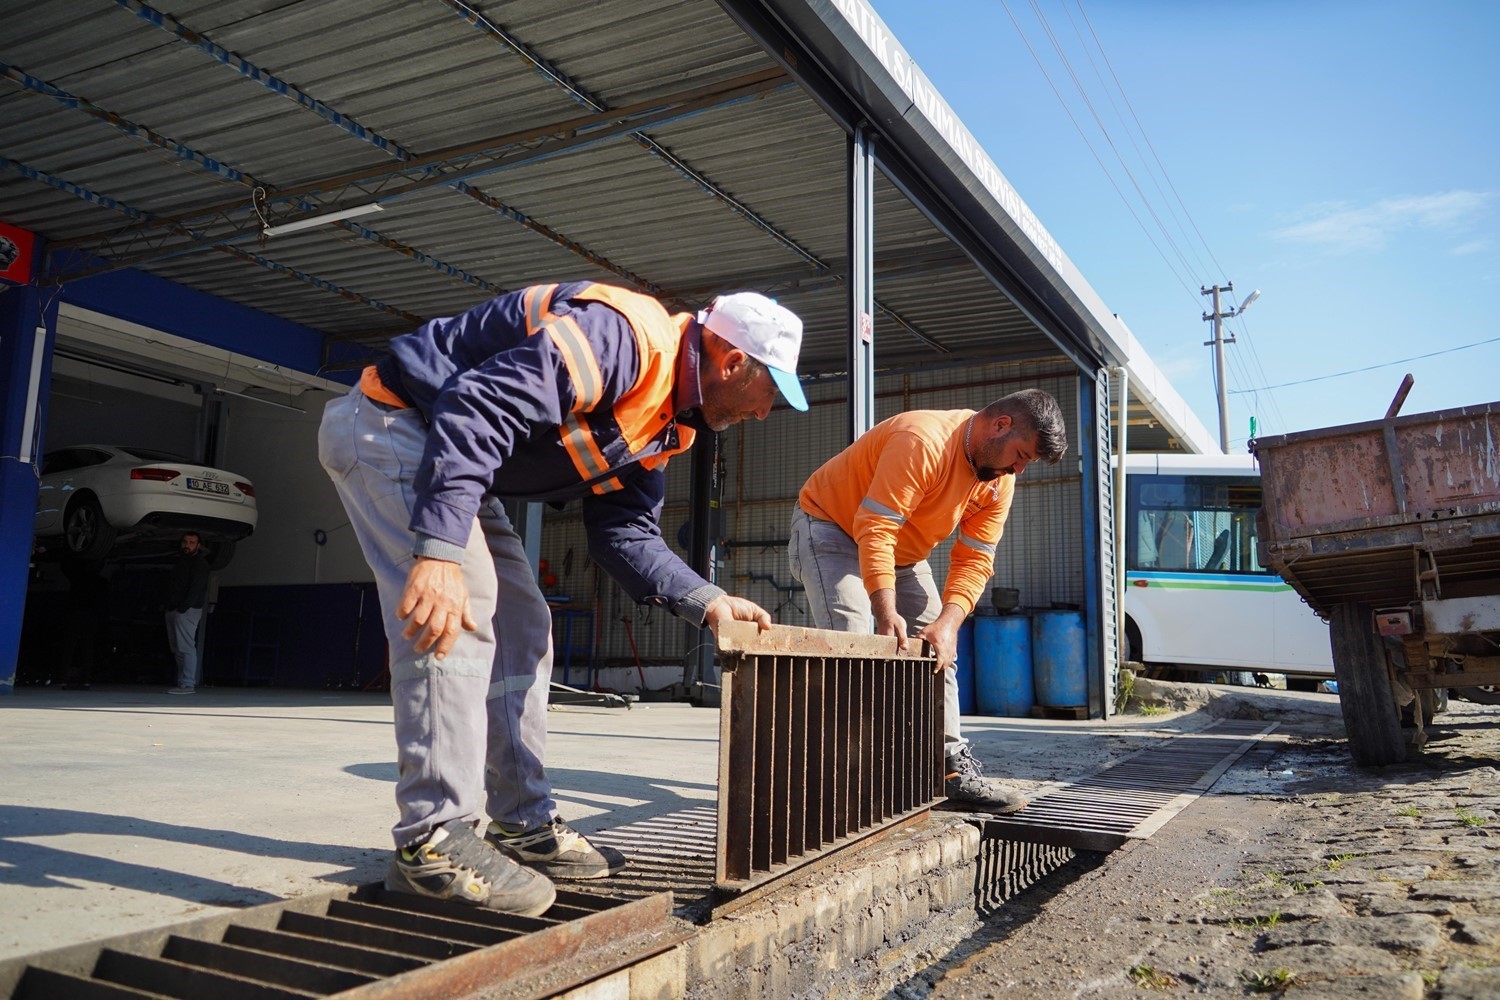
(1178, 585)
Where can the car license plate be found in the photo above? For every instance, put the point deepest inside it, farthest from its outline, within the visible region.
(208, 486)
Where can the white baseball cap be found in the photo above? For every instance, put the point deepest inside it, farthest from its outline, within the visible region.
(768, 332)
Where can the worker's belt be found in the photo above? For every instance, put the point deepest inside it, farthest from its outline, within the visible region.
(373, 388)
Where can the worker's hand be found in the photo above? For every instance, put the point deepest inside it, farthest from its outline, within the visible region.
(887, 620)
(725, 608)
(435, 605)
(944, 638)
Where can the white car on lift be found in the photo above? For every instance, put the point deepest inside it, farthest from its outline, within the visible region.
(93, 496)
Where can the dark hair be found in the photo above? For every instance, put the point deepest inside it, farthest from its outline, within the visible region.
(1032, 410)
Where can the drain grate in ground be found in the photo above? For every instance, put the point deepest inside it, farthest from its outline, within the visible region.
(359, 942)
(672, 852)
(1131, 799)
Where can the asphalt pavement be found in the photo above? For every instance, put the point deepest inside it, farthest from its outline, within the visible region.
(1298, 874)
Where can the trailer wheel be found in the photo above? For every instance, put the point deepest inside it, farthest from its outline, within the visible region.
(1486, 695)
(1371, 721)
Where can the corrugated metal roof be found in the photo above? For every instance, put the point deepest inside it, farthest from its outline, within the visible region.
(756, 197)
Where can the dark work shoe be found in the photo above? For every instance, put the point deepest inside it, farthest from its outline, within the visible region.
(966, 783)
(453, 863)
(557, 850)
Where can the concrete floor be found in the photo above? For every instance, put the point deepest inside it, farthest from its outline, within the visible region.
(125, 809)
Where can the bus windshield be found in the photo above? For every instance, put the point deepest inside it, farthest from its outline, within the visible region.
(1196, 597)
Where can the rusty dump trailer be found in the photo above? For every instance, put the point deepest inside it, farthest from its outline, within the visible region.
(1391, 531)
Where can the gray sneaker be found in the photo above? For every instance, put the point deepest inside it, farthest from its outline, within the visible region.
(453, 863)
(966, 783)
(557, 850)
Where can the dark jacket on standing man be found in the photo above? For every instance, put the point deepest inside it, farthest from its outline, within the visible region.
(188, 586)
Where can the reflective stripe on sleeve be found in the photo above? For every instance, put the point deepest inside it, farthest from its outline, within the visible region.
(881, 510)
(988, 548)
(538, 299)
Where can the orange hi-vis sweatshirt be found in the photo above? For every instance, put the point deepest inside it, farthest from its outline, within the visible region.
(901, 489)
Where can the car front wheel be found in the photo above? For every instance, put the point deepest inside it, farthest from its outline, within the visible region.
(87, 534)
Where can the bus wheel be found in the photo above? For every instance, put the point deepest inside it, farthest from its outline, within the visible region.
(1133, 651)
(1371, 722)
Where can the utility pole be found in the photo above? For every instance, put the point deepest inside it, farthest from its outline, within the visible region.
(1218, 345)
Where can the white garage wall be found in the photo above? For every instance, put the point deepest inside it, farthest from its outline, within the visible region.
(278, 449)
(91, 406)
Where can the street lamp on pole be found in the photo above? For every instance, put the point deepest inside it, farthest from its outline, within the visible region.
(1217, 344)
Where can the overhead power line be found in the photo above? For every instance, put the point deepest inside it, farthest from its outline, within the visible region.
(1369, 368)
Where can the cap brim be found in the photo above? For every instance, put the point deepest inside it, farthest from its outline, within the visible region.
(789, 386)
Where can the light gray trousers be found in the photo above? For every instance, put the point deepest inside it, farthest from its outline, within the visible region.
(471, 728)
(182, 636)
(825, 560)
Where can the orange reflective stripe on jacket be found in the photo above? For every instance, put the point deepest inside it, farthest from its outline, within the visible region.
(643, 410)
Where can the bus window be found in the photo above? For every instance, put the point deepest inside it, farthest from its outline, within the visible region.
(1196, 594)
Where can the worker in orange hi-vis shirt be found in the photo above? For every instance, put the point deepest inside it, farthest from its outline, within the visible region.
(867, 520)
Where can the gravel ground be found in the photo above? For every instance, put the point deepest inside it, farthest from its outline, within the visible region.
(1300, 874)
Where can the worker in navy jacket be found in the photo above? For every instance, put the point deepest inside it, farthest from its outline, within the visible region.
(552, 393)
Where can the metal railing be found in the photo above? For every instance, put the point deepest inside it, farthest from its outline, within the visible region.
(824, 738)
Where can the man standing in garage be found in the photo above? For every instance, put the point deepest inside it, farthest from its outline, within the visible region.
(187, 591)
(867, 520)
(551, 393)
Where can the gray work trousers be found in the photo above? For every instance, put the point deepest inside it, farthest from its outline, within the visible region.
(182, 637)
(471, 728)
(825, 560)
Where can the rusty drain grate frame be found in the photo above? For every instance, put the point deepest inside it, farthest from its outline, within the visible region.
(359, 942)
(1134, 797)
(825, 739)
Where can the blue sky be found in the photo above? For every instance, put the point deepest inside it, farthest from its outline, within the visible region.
(1342, 157)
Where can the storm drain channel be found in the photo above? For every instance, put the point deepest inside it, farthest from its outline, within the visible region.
(365, 943)
(1133, 798)
(361, 942)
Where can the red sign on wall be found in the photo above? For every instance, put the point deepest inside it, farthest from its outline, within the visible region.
(15, 254)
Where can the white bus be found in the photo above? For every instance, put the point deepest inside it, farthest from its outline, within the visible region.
(1196, 597)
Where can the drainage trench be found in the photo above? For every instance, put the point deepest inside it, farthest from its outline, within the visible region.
(362, 943)
(825, 746)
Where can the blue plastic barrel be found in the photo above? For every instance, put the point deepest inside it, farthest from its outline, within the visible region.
(965, 667)
(1002, 666)
(1057, 659)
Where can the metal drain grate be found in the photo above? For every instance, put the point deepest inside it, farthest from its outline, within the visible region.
(1132, 799)
(360, 942)
(824, 738)
(670, 853)
(1007, 867)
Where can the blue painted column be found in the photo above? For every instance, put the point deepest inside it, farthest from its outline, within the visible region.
(28, 327)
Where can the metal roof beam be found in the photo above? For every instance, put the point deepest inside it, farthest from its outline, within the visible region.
(86, 195)
(176, 150)
(322, 283)
(272, 83)
(239, 220)
(182, 152)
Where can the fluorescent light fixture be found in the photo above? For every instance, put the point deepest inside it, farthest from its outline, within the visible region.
(318, 220)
